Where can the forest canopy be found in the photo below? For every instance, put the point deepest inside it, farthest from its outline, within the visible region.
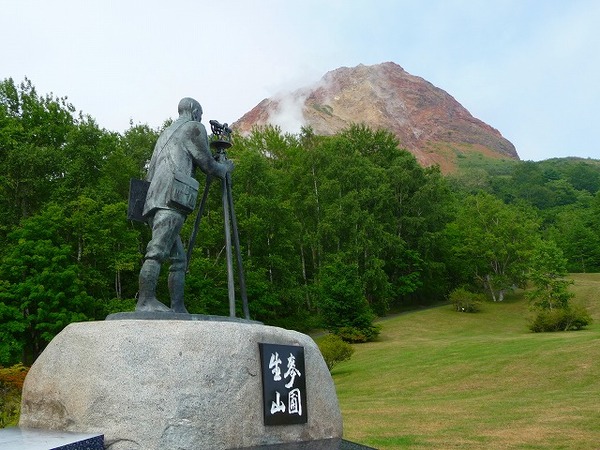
(334, 230)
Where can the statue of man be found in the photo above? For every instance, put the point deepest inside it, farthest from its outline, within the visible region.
(181, 148)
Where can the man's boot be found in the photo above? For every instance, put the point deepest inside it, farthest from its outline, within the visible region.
(176, 287)
(147, 300)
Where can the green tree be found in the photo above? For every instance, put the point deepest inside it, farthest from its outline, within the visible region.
(268, 235)
(82, 157)
(41, 282)
(359, 195)
(492, 243)
(575, 229)
(106, 247)
(127, 159)
(547, 272)
(343, 306)
(13, 327)
(549, 296)
(33, 129)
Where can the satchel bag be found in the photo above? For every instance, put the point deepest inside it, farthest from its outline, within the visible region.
(183, 193)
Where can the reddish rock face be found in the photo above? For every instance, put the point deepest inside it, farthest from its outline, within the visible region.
(427, 121)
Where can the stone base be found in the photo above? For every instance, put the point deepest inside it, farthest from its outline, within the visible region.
(326, 444)
(171, 384)
(169, 315)
(16, 438)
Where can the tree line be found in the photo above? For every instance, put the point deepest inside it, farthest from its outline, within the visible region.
(334, 230)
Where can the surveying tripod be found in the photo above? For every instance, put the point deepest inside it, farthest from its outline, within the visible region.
(220, 143)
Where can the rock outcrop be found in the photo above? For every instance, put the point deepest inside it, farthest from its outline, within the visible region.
(168, 384)
(428, 121)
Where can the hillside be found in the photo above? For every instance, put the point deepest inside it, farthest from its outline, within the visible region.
(438, 379)
(428, 121)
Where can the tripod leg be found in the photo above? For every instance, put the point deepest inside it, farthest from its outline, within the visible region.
(230, 285)
(236, 242)
(197, 223)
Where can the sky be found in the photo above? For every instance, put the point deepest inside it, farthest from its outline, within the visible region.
(529, 68)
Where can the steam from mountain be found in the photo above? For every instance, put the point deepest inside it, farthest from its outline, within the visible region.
(427, 121)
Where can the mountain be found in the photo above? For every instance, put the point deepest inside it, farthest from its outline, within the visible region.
(427, 121)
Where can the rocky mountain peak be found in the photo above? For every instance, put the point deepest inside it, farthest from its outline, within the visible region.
(427, 121)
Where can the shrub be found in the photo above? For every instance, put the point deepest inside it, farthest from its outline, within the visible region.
(334, 350)
(560, 319)
(11, 383)
(356, 335)
(464, 300)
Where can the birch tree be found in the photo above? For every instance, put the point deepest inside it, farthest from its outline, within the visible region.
(493, 242)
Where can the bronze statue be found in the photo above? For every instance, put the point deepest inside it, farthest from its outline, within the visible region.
(172, 193)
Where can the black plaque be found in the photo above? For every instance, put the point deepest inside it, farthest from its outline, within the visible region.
(284, 384)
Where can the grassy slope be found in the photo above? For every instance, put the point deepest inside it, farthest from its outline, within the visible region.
(441, 379)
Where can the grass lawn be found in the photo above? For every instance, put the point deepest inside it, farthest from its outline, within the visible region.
(438, 379)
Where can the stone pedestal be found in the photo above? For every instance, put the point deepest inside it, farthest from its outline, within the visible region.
(166, 384)
(23, 439)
